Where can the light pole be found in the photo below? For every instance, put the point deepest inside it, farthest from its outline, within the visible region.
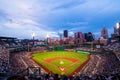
(48, 38)
(33, 35)
(118, 28)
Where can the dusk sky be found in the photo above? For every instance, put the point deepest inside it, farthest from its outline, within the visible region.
(20, 18)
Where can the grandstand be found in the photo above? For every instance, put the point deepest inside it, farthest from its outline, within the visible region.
(18, 65)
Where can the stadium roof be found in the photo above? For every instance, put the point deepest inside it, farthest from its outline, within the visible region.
(1, 37)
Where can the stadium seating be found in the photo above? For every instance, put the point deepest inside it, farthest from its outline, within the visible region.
(104, 66)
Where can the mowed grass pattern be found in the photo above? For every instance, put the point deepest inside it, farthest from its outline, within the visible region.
(60, 61)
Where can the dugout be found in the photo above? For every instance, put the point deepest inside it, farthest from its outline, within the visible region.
(59, 48)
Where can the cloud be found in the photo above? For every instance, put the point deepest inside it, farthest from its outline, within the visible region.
(53, 34)
(26, 33)
(21, 17)
(77, 23)
(0, 26)
(71, 33)
(70, 4)
(2, 13)
(79, 29)
(97, 34)
(110, 31)
(12, 25)
(114, 6)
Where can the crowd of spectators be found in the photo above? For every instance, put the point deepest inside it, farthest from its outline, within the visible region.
(49, 76)
(16, 63)
(89, 49)
(5, 48)
(22, 60)
(102, 64)
(4, 58)
(38, 49)
(114, 47)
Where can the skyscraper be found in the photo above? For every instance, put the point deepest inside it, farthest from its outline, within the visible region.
(115, 30)
(90, 37)
(104, 33)
(61, 40)
(66, 33)
(79, 38)
(60, 36)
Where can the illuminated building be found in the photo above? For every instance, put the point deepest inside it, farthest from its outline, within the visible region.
(104, 33)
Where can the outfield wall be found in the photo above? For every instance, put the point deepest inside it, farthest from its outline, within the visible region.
(86, 52)
(59, 48)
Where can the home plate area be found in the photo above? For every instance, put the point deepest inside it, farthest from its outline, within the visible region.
(62, 66)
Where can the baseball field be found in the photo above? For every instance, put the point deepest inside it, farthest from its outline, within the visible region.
(61, 62)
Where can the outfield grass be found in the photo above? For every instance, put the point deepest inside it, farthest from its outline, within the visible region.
(61, 62)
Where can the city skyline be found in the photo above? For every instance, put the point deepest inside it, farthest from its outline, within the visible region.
(20, 18)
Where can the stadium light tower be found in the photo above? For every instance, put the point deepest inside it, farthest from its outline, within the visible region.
(48, 37)
(118, 28)
(33, 36)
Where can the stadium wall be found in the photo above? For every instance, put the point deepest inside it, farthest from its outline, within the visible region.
(59, 48)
